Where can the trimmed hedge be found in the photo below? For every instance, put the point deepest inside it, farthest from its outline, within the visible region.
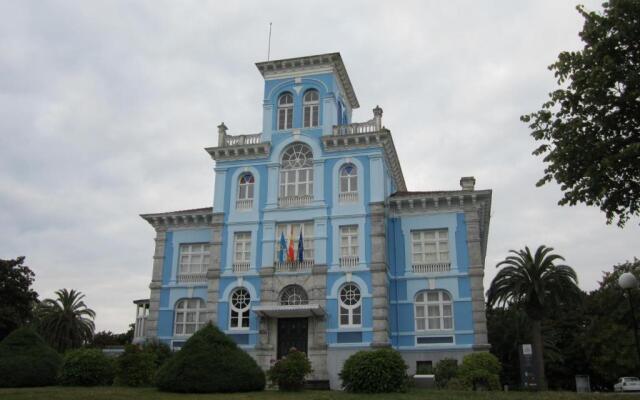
(86, 367)
(445, 370)
(377, 371)
(135, 367)
(289, 372)
(26, 360)
(210, 362)
(480, 371)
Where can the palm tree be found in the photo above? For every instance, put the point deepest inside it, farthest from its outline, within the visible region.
(535, 283)
(66, 322)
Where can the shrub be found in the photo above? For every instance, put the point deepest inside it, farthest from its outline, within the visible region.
(455, 384)
(480, 371)
(445, 370)
(378, 371)
(160, 351)
(26, 360)
(289, 372)
(86, 367)
(135, 367)
(210, 362)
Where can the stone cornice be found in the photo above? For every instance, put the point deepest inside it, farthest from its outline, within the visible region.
(277, 68)
(240, 152)
(199, 217)
(381, 138)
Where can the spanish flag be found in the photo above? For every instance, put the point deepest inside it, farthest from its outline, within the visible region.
(291, 255)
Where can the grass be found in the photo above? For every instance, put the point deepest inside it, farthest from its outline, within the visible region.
(125, 393)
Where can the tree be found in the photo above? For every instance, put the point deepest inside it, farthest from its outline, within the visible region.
(104, 339)
(66, 322)
(536, 284)
(17, 298)
(590, 128)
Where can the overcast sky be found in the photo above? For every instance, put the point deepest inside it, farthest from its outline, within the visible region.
(105, 108)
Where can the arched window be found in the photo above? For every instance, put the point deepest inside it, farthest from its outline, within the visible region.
(310, 102)
(348, 183)
(433, 311)
(350, 306)
(296, 175)
(293, 295)
(245, 191)
(190, 314)
(240, 302)
(285, 111)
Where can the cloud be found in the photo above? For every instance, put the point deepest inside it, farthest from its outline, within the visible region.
(105, 108)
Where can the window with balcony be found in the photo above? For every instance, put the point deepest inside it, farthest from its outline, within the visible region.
(190, 316)
(311, 101)
(285, 111)
(194, 261)
(430, 250)
(433, 311)
(239, 304)
(245, 192)
(296, 175)
(349, 246)
(288, 250)
(348, 183)
(241, 251)
(350, 306)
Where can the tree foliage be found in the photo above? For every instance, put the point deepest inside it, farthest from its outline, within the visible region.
(17, 298)
(104, 339)
(26, 360)
(66, 322)
(590, 128)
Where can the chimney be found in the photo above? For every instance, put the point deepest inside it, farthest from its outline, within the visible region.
(467, 182)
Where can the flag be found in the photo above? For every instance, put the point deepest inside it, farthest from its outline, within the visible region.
(300, 248)
(291, 257)
(283, 248)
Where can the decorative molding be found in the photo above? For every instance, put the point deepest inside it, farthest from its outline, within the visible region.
(195, 218)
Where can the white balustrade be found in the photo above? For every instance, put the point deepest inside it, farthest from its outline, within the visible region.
(348, 197)
(356, 128)
(294, 266)
(431, 267)
(240, 140)
(294, 201)
(349, 261)
(244, 204)
(192, 277)
(241, 267)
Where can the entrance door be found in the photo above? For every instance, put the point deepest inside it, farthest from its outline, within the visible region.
(292, 332)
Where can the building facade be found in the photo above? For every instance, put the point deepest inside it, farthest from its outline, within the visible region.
(313, 240)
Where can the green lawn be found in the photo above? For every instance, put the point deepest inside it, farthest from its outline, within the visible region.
(121, 393)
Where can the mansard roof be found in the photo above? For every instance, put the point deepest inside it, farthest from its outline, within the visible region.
(291, 66)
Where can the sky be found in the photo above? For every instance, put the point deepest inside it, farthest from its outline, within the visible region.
(106, 107)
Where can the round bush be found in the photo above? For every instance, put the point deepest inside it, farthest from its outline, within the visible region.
(480, 371)
(445, 370)
(210, 362)
(26, 360)
(86, 367)
(160, 351)
(135, 367)
(378, 371)
(289, 372)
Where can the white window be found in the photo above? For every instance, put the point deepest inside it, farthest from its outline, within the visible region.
(293, 295)
(241, 251)
(240, 302)
(348, 182)
(433, 311)
(349, 246)
(296, 174)
(194, 258)
(245, 191)
(430, 246)
(190, 314)
(310, 110)
(285, 111)
(350, 306)
(291, 233)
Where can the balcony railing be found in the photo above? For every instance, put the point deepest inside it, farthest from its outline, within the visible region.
(294, 201)
(240, 140)
(355, 128)
(348, 197)
(431, 267)
(192, 277)
(294, 266)
(241, 267)
(244, 204)
(349, 261)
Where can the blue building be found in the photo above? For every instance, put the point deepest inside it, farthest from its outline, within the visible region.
(313, 240)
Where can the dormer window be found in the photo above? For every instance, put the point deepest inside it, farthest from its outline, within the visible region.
(285, 111)
(310, 111)
(348, 183)
(245, 192)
